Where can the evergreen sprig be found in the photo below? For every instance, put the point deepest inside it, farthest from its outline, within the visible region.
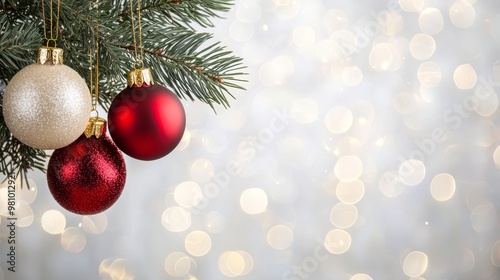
(180, 57)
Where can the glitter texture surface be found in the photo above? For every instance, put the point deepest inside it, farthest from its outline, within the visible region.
(47, 106)
(88, 176)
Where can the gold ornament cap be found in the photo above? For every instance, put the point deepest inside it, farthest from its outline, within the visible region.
(50, 56)
(140, 77)
(95, 127)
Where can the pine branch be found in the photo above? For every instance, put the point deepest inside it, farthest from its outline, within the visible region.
(175, 44)
(180, 57)
(19, 8)
(204, 74)
(16, 41)
(181, 12)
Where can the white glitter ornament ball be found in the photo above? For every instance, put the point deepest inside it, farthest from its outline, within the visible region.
(47, 106)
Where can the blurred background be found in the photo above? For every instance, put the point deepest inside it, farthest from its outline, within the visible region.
(366, 146)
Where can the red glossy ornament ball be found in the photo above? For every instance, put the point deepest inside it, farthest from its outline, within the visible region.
(88, 176)
(146, 122)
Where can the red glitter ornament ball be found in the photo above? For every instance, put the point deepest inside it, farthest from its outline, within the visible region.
(88, 176)
(146, 122)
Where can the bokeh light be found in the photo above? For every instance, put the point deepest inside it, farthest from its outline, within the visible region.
(486, 103)
(431, 21)
(415, 264)
(496, 156)
(343, 215)
(495, 254)
(348, 168)
(95, 224)
(235, 263)
(287, 9)
(27, 196)
(350, 192)
(422, 46)
(385, 57)
(337, 241)
(116, 269)
(484, 217)
(280, 237)
(429, 74)
(4, 200)
(465, 76)
(24, 215)
(362, 276)
(178, 264)
(412, 5)
(73, 240)
(392, 23)
(443, 187)
(338, 120)
(53, 222)
(202, 170)
(198, 243)
(185, 140)
(276, 71)
(462, 14)
(248, 11)
(188, 194)
(253, 201)
(176, 219)
(352, 76)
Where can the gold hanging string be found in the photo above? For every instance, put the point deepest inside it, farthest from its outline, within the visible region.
(138, 49)
(94, 67)
(96, 125)
(52, 38)
(91, 76)
(94, 51)
(139, 76)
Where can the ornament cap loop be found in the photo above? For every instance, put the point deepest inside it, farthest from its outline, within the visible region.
(140, 77)
(50, 55)
(53, 41)
(94, 113)
(95, 127)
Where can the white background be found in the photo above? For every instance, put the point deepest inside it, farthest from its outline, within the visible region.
(365, 147)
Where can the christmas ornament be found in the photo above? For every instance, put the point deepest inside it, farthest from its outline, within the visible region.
(88, 176)
(46, 104)
(146, 120)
